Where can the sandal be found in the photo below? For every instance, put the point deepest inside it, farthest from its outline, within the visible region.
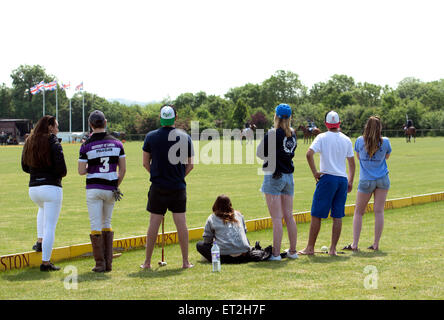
(349, 247)
(372, 248)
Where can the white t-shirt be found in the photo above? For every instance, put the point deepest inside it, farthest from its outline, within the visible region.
(334, 148)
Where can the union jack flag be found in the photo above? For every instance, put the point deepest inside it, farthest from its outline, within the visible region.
(51, 86)
(41, 86)
(66, 86)
(34, 90)
(79, 87)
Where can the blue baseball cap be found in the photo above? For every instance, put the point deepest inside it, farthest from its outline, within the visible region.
(283, 111)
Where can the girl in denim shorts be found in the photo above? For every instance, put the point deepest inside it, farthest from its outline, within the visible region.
(372, 150)
(277, 150)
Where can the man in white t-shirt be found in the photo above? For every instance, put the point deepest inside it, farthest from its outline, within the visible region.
(332, 181)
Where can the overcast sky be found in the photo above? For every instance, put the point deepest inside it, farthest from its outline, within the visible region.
(149, 50)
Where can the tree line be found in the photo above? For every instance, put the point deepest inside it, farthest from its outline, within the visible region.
(423, 102)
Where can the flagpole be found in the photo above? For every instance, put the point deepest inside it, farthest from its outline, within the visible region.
(43, 101)
(57, 106)
(70, 131)
(83, 111)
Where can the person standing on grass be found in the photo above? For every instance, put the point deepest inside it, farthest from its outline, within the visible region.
(168, 158)
(43, 159)
(372, 151)
(332, 182)
(277, 150)
(100, 157)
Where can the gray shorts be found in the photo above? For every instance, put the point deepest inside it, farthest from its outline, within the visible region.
(368, 186)
(283, 185)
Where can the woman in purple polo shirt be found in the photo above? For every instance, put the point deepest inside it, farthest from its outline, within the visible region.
(100, 156)
(372, 150)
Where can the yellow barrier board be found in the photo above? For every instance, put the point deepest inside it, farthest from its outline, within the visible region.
(33, 259)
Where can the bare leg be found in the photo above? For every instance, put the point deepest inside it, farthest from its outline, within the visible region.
(380, 197)
(335, 234)
(275, 208)
(287, 209)
(153, 229)
(362, 200)
(315, 226)
(182, 231)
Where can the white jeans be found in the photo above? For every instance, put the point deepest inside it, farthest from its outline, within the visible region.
(49, 199)
(100, 205)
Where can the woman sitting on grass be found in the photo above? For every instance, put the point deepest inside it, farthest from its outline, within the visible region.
(227, 227)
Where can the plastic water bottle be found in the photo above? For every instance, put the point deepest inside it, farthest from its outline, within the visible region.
(215, 257)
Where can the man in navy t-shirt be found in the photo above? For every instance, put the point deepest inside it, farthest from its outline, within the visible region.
(168, 157)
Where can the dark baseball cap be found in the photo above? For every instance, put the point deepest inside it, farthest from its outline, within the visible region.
(97, 119)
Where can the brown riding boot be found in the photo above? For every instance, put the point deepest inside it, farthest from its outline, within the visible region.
(98, 253)
(108, 238)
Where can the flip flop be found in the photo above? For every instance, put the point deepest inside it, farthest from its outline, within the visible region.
(144, 268)
(305, 254)
(372, 248)
(349, 247)
(190, 266)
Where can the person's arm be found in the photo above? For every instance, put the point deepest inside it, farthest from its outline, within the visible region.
(59, 160)
(208, 234)
(311, 163)
(122, 170)
(82, 167)
(387, 155)
(189, 166)
(351, 173)
(262, 148)
(146, 161)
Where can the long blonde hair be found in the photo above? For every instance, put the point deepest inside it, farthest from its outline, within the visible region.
(372, 135)
(284, 124)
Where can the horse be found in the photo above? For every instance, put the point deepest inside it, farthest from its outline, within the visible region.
(409, 133)
(309, 134)
(119, 135)
(248, 133)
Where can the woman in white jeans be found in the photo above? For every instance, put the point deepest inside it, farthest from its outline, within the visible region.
(43, 159)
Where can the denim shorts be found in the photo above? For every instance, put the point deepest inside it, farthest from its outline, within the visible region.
(368, 186)
(282, 185)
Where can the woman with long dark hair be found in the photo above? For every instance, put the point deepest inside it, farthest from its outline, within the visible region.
(372, 151)
(43, 159)
(227, 227)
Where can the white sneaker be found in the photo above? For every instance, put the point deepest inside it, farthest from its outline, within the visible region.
(291, 256)
(275, 258)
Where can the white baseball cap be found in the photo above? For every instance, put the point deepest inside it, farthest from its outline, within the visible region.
(332, 120)
(167, 116)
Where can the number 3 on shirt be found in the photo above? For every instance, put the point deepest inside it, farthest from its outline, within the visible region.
(105, 163)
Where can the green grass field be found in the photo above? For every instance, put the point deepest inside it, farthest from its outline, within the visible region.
(408, 265)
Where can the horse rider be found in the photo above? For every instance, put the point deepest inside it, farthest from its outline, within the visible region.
(311, 125)
(408, 124)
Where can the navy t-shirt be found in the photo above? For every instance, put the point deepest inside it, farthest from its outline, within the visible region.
(170, 149)
(285, 147)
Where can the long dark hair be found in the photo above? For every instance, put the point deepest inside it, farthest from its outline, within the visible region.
(36, 149)
(223, 209)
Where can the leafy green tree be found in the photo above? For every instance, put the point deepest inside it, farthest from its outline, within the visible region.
(335, 93)
(6, 110)
(240, 114)
(282, 87)
(250, 93)
(28, 105)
